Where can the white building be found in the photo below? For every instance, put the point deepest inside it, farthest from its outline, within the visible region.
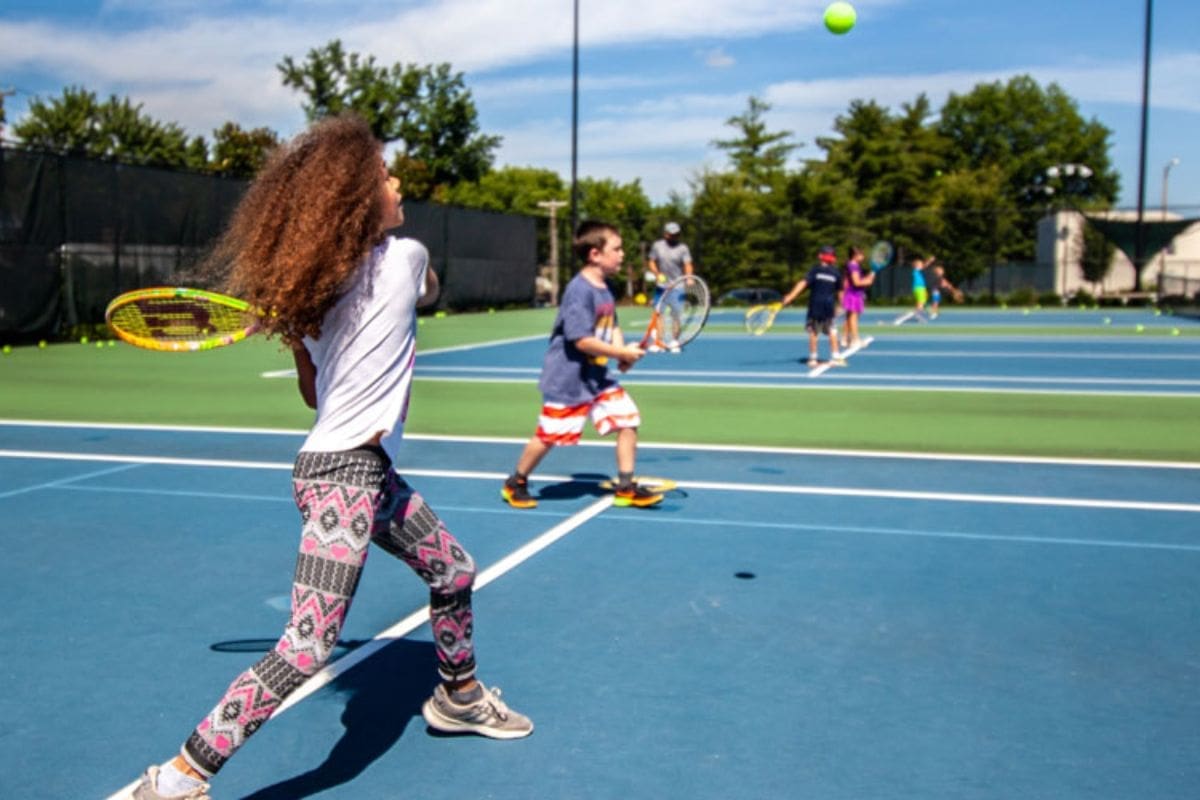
(1173, 271)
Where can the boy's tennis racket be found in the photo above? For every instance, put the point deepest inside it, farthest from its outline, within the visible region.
(881, 255)
(660, 485)
(679, 314)
(759, 319)
(177, 319)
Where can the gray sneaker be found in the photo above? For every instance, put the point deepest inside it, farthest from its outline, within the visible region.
(487, 716)
(147, 789)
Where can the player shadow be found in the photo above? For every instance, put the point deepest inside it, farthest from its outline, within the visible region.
(384, 693)
(582, 484)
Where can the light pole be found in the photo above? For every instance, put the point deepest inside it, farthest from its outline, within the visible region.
(1166, 175)
(1162, 256)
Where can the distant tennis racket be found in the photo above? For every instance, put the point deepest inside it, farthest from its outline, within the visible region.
(679, 314)
(881, 255)
(759, 319)
(178, 319)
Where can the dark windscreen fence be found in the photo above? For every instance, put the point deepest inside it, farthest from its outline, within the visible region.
(76, 232)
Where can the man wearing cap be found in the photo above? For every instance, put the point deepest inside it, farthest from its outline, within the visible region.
(669, 258)
(823, 282)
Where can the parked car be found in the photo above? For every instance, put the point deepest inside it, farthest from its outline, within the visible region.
(749, 297)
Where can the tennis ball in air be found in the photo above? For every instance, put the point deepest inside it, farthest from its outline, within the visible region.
(840, 17)
(42, 344)
(640, 299)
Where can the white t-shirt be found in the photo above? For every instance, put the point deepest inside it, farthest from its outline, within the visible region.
(365, 355)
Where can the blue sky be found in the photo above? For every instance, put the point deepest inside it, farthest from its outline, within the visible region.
(658, 77)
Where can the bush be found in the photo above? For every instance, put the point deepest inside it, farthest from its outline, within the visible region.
(1050, 300)
(1022, 297)
(1083, 298)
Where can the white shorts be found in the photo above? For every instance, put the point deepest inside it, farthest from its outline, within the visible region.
(612, 409)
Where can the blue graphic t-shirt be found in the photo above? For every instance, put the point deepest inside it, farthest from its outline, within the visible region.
(569, 375)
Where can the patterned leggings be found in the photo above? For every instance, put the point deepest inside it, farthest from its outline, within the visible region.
(346, 501)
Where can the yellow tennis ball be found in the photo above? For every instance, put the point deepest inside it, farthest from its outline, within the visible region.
(1140, 328)
(7, 349)
(439, 314)
(1108, 320)
(1174, 331)
(99, 345)
(640, 298)
(42, 344)
(1025, 311)
(840, 17)
(83, 340)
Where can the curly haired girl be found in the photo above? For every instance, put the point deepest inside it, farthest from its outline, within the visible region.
(310, 242)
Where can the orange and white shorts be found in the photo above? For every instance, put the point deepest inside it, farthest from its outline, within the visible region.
(612, 409)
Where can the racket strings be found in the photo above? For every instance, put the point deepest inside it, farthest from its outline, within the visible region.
(686, 312)
(170, 319)
(758, 319)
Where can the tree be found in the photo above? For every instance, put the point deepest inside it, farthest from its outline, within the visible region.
(757, 154)
(515, 190)
(241, 153)
(426, 109)
(79, 124)
(1023, 130)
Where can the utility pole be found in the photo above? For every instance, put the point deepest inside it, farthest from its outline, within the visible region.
(9, 92)
(553, 206)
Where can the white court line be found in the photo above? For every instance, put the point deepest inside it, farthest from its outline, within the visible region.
(954, 497)
(987, 537)
(291, 372)
(900, 320)
(416, 619)
(723, 448)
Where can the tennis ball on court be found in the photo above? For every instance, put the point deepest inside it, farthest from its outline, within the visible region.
(1157, 312)
(112, 342)
(1004, 305)
(99, 345)
(840, 17)
(83, 340)
(1025, 311)
(1174, 331)
(42, 344)
(7, 349)
(1108, 320)
(439, 314)
(1140, 328)
(491, 311)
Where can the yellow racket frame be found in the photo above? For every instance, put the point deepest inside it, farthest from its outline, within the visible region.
(179, 319)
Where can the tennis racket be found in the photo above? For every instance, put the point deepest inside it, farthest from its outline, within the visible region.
(679, 314)
(881, 255)
(660, 485)
(759, 319)
(178, 319)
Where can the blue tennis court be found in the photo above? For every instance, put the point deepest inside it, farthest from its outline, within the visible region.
(788, 623)
(1007, 360)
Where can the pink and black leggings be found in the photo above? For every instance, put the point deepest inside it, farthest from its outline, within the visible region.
(346, 501)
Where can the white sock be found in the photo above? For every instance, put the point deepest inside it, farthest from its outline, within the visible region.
(173, 783)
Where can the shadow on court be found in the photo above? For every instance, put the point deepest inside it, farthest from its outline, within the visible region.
(384, 693)
(582, 484)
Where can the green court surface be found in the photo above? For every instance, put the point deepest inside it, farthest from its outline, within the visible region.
(226, 387)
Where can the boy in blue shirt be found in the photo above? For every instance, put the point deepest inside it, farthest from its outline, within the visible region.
(824, 283)
(575, 382)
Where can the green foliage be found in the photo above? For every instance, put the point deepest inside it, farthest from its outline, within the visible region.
(518, 190)
(757, 154)
(239, 152)
(426, 109)
(1097, 255)
(77, 123)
